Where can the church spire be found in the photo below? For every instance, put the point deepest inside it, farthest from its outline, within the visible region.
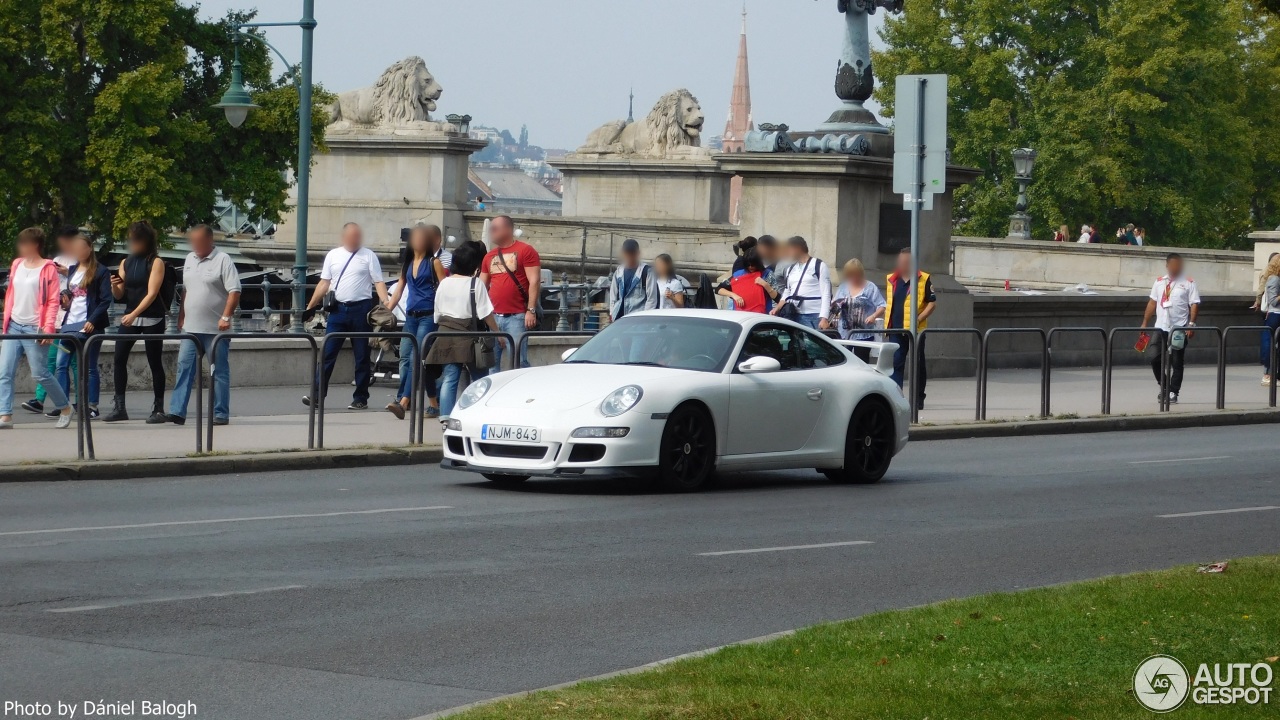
(739, 122)
(631, 107)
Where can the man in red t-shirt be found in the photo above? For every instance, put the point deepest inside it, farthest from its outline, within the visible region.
(513, 272)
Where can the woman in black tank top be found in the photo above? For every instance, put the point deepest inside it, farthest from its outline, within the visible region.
(137, 283)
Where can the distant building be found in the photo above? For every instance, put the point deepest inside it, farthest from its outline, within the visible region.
(511, 190)
(739, 122)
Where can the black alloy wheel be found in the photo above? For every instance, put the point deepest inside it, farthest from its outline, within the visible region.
(868, 445)
(688, 451)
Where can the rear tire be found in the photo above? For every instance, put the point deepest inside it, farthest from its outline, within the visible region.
(868, 444)
(505, 480)
(687, 454)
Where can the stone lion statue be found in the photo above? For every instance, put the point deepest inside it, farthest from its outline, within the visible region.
(672, 129)
(404, 96)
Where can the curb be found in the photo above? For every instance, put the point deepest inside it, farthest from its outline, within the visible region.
(1163, 421)
(222, 464)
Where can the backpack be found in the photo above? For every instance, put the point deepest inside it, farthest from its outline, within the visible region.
(705, 298)
(169, 286)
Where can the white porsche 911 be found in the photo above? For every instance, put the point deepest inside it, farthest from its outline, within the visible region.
(680, 394)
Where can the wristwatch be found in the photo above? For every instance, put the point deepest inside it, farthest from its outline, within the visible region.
(225, 318)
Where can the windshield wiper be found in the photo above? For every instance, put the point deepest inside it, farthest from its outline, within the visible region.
(645, 363)
(581, 362)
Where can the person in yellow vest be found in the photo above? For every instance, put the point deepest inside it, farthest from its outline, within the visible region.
(897, 293)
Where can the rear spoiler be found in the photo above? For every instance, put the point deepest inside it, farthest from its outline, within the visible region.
(881, 353)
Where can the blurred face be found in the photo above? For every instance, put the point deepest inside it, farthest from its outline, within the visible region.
(630, 259)
(857, 277)
(65, 244)
(28, 249)
(796, 253)
(420, 242)
(352, 238)
(904, 264)
(201, 241)
(1174, 266)
(137, 246)
(502, 231)
(81, 250)
(768, 254)
(663, 266)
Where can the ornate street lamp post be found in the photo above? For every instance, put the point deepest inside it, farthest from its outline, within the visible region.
(236, 104)
(1024, 159)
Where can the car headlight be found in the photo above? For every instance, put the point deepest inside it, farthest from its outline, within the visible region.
(474, 392)
(453, 424)
(621, 400)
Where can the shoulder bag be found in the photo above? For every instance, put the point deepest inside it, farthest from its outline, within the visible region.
(482, 348)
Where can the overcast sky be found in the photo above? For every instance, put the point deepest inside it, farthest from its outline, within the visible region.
(564, 67)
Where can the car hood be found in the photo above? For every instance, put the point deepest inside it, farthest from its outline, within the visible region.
(567, 386)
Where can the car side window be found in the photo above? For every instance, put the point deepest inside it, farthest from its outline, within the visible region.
(772, 341)
(816, 352)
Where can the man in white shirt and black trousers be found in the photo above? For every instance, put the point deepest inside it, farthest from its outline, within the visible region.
(1175, 302)
(808, 286)
(348, 279)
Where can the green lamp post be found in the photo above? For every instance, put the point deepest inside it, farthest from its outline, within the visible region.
(236, 104)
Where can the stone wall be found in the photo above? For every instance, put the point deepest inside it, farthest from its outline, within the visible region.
(1038, 264)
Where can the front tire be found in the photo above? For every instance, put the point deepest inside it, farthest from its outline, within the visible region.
(505, 480)
(868, 444)
(687, 455)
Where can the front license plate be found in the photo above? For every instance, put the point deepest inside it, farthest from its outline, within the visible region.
(510, 433)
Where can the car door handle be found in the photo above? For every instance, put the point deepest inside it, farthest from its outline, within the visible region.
(815, 394)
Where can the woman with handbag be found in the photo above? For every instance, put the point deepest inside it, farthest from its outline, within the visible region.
(31, 307)
(85, 315)
(461, 305)
(419, 278)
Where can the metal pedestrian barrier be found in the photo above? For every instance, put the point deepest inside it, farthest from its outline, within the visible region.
(116, 338)
(1048, 391)
(1273, 352)
(415, 408)
(1044, 366)
(1109, 364)
(977, 406)
(315, 364)
(425, 347)
(522, 345)
(77, 347)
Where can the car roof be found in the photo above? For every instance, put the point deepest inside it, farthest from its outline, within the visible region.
(734, 316)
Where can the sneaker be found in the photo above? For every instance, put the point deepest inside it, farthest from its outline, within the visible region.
(1266, 381)
(6, 424)
(52, 413)
(175, 419)
(34, 406)
(220, 421)
(357, 405)
(396, 409)
(306, 400)
(432, 411)
(1173, 398)
(93, 412)
(157, 418)
(64, 421)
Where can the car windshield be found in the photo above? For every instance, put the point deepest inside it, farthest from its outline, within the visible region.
(684, 343)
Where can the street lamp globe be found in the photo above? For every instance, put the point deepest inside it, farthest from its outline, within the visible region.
(236, 102)
(1023, 160)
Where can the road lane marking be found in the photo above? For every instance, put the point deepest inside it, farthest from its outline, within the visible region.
(1198, 513)
(1179, 460)
(175, 598)
(216, 521)
(785, 547)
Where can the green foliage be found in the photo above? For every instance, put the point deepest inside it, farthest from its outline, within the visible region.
(107, 117)
(1156, 112)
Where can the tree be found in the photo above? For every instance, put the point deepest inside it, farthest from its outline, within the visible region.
(524, 136)
(1139, 109)
(107, 117)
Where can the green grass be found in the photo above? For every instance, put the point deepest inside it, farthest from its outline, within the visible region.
(1060, 652)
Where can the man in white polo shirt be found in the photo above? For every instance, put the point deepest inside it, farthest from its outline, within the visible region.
(1175, 302)
(210, 296)
(808, 286)
(352, 273)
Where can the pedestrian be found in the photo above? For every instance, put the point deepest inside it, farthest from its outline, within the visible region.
(1085, 234)
(898, 303)
(1095, 237)
(747, 290)
(1140, 236)
(462, 304)
(210, 297)
(31, 307)
(512, 273)
(672, 287)
(420, 275)
(740, 249)
(633, 286)
(63, 261)
(140, 282)
(857, 306)
(1175, 303)
(808, 287)
(1062, 234)
(1270, 306)
(348, 279)
(775, 268)
(86, 315)
(1260, 294)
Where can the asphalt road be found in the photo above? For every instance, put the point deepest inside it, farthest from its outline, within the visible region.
(283, 597)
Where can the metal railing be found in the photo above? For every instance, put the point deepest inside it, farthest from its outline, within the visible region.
(82, 388)
(522, 345)
(416, 352)
(1044, 366)
(980, 396)
(420, 387)
(317, 398)
(1048, 396)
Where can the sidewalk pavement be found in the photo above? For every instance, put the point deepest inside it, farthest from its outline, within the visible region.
(274, 419)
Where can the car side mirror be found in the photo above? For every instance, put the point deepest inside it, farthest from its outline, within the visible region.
(759, 364)
(564, 356)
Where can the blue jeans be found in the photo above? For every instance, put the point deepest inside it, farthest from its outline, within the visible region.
(65, 368)
(189, 364)
(809, 320)
(512, 325)
(449, 389)
(1273, 322)
(11, 351)
(419, 327)
(349, 317)
(900, 357)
